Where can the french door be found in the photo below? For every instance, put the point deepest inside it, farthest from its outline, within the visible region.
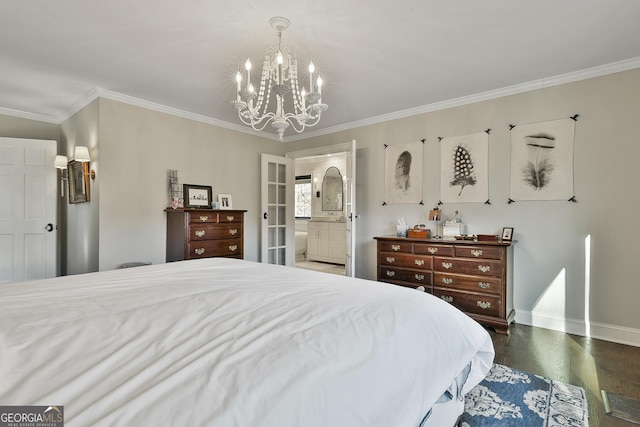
(277, 244)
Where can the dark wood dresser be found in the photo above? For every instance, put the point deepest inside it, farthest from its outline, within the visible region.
(204, 233)
(476, 277)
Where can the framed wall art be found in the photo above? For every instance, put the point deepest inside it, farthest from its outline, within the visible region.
(196, 196)
(542, 160)
(464, 167)
(79, 191)
(403, 173)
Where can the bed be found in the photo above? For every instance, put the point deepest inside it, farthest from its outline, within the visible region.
(227, 342)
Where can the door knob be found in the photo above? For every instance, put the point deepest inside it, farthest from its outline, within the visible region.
(50, 227)
(265, 215)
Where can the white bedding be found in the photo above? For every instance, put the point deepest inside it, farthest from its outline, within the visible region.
(226, 342)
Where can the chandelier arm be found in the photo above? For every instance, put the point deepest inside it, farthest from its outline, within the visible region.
(260, 124)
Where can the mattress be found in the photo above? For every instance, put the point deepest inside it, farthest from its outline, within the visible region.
(229, 342)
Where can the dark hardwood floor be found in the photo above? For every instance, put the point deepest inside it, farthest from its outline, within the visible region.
(586, 362)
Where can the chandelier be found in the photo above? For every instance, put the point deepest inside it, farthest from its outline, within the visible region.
(279, 76)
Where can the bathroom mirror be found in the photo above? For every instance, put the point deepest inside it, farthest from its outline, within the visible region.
(332, 190)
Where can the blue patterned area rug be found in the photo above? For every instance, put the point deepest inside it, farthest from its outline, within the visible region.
(508, 397)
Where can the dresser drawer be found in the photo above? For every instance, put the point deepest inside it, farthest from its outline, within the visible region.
(215, 248)
(429, 249)
(405, 275)
(487, 305)
(471, 283)
(396, 247)
(406, 260)
(208, 231)
(490, 252)
(464, 266)
(202, 217)
(229, 217)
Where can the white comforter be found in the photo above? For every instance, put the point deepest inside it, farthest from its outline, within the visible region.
(224, 342)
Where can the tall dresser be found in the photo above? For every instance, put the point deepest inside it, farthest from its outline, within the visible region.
(476, 277)
(204, 233)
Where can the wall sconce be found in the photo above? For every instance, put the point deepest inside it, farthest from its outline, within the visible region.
(81, 154)
(61, 163)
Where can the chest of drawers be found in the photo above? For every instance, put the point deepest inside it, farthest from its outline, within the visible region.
(204, 233)
(476, 277)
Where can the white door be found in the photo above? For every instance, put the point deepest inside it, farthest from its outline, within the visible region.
(277, 244)
(351, 210)
(28, 197)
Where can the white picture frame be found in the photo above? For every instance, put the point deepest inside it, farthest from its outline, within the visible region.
(225, 201)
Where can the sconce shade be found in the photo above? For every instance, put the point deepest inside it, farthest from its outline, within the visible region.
(81, 154)
(60, 162)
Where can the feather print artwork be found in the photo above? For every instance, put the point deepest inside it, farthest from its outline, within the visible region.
(403, 172)
(463, 173)
(537, 172)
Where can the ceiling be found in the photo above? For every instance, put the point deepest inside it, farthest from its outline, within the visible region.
(379, 59)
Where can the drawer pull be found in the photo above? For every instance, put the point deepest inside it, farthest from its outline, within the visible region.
(476, 253)
(447, 280)
(484, 304)
(432, 250)
(203, 218)
(419, 277)
(230, 218)
(484, 285)
(395, 247)
(199, 251)
(199, 233)
(421, 289)
(391, 259)
(391, 273)
(233, 231)
(419, 262)
(233, 248)
(484, 268)
(447, 265)
(447, 298)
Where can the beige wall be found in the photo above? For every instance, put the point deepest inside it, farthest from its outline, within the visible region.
(137, 146)
(554, 285)
(16, 127)
(81, 221)
(558, 283)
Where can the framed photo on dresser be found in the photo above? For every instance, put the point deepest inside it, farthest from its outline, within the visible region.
(197, 196)
(225, 201)
(507, 234)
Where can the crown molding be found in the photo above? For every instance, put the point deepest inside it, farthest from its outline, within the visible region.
(138, 102)
(585, 74)
(97, 92)
(29, 116)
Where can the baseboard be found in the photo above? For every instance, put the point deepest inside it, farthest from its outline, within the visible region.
(600, 331)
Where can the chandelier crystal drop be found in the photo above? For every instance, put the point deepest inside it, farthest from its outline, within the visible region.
(280, 78)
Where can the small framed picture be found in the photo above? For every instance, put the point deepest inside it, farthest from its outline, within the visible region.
(78, 182)
(225, 201)
(507, 233)
(196, 196)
